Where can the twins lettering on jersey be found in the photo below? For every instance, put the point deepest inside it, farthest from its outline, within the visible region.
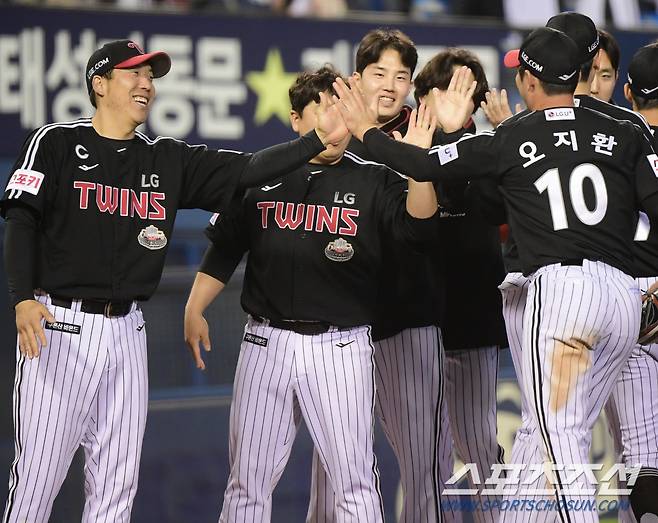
(146, 204)
(318, 218)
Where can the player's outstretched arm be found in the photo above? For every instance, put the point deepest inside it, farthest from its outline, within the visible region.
(421, 196)
(204, 290)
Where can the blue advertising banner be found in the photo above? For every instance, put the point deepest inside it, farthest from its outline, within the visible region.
(228, 86)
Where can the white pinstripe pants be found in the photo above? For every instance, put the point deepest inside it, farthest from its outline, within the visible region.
(470, 378)
(580, 326)
(89, 388)
(332, 387)
(410, 405)
(632, 410)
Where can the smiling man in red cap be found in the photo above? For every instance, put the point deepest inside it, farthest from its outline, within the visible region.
(90, 207)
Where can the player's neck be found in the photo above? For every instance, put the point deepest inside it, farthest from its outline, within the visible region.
(109, 126)
(549, 102)
(650, 115)
(583, 88)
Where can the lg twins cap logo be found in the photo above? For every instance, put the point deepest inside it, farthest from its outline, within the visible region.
(152, 238)
(339, 250)
(133, 45)
(24, 180)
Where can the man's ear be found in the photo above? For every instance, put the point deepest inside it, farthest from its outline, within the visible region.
(98, 85)
(294, 120)
(627, 92)
(357, 77)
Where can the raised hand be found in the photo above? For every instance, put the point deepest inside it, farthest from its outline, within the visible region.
(330, 127)
(29, 324)
(357, 114)
(496, 107)
(454, 106)
(420, 131)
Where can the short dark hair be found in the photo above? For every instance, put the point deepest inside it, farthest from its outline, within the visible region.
(552, 89)
(375, 42)
(585, 69)
(92, 93)
(309, 85)
(438, 72)
(643, 103)
(609, 44)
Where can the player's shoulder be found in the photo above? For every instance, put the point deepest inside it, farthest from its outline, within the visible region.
(517, 119)
(59, 131)
(617, 112)
(352, 161)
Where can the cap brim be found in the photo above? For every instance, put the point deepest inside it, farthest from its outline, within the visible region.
(159, 61)
(512, 58)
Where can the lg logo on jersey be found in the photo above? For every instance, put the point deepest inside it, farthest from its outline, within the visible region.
(349, 198)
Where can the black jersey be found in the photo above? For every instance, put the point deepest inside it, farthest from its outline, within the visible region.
(412, 289)
(645, 246)
(571, 178)
(106, 208)
(316, 240)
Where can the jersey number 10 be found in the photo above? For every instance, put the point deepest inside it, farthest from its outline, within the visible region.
(550, 182)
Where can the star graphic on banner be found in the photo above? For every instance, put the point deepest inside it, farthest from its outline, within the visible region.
(271, 85)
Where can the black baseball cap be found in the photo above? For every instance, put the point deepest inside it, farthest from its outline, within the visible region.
(124, 54)
(643, 72)
(581, 29)
(548, 54)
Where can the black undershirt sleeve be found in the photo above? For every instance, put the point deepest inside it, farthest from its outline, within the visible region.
(272, 162)
(20, 252)
(219, 264)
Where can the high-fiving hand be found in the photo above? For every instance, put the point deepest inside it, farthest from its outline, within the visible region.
(357, 114)
(496, 107)
(330, 127)
(420, 131)
(453, 107)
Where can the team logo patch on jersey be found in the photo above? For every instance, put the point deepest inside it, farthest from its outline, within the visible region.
(653, 161)
(564, 113)
(448, 153)
(256, 340)
(152, 238)
(60, 326)
(26, 180)
(339, 250)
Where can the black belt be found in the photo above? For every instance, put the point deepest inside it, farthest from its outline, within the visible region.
(309, 328)
(573, 261)
(108, 308)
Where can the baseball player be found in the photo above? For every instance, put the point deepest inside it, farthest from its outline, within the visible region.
(582, 314)
(410, 401)
(583, 31)
(473, 265)
(632, 410)
(316, 241)
(90, 207)
(606, 68)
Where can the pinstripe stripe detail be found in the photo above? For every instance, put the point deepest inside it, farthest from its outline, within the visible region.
(375, 469)
(539, 397)
(13, 481)
(436, 462)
